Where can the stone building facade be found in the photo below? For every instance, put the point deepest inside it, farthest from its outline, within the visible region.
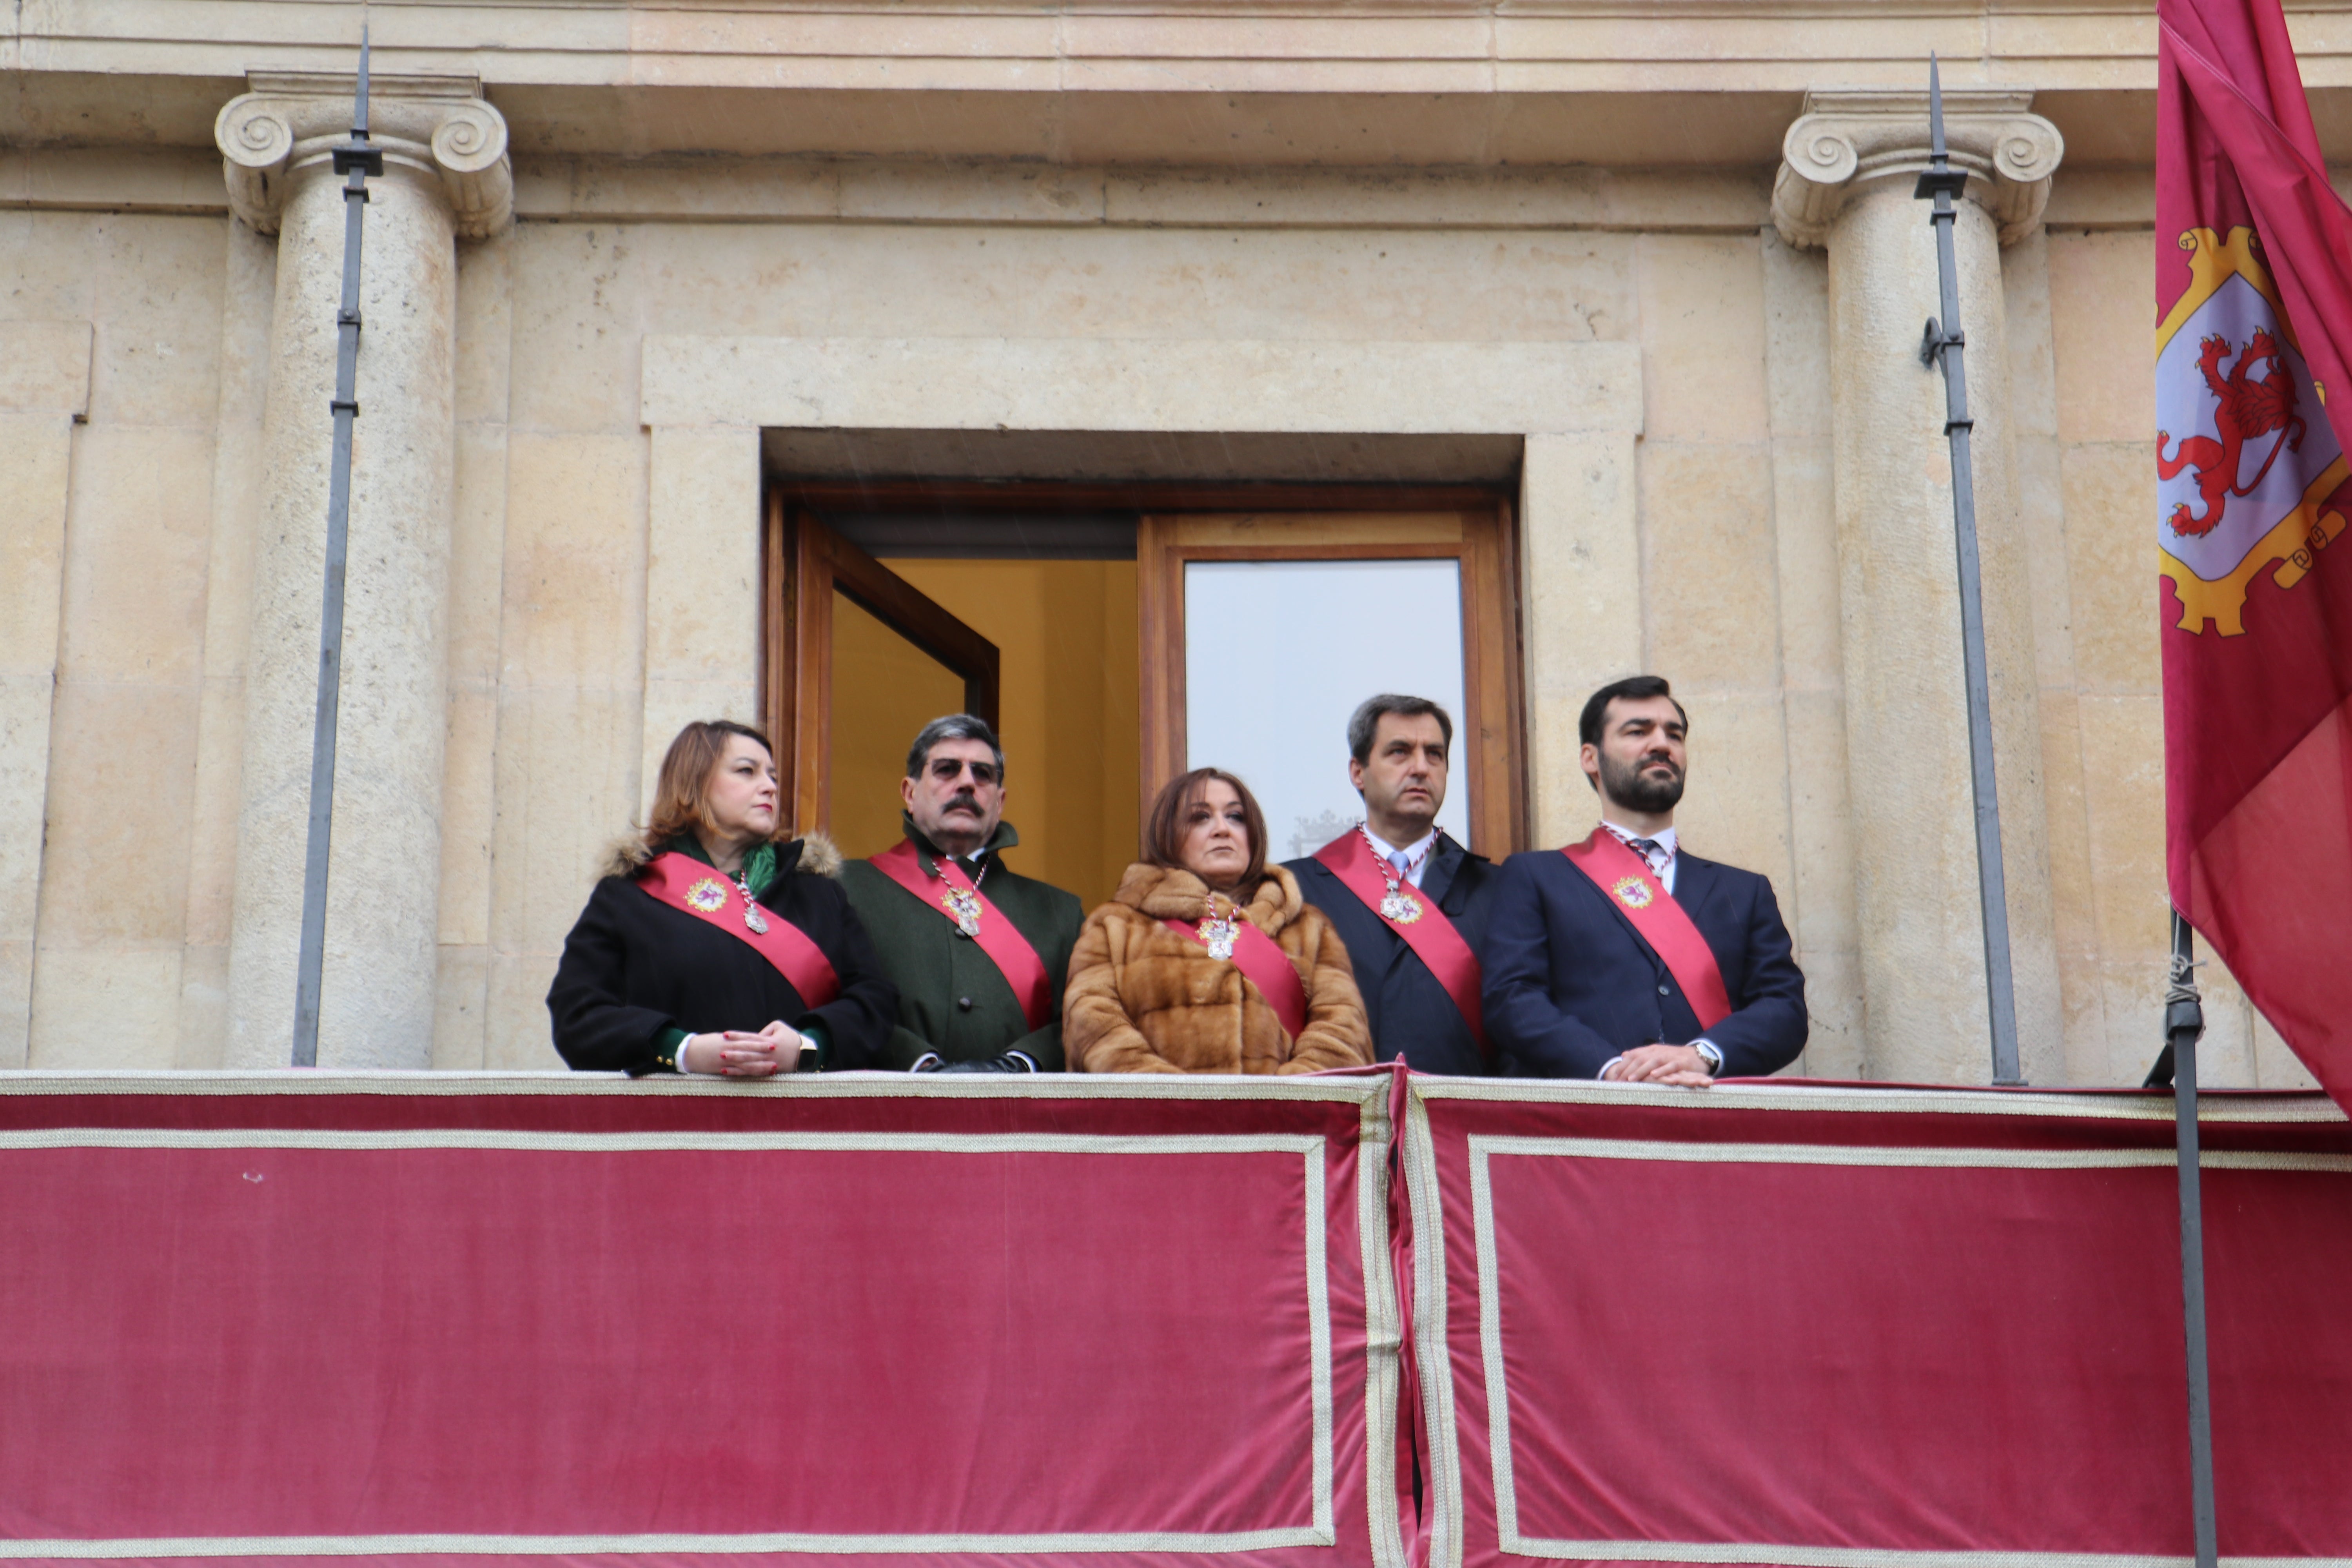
(1662, 255)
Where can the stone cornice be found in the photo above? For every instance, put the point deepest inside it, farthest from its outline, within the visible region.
(434, 129)
(1850, 139)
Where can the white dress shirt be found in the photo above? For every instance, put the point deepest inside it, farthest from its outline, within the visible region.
(1410, 863)
(1661, 861)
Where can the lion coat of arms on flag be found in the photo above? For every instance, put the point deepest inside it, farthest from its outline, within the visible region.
(2245, 460)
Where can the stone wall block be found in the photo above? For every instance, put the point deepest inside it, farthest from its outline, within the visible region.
(702, 586)
(1581, 607)
(43, 389)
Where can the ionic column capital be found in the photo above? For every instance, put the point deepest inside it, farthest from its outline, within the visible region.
(1851, 139)
(434, 129)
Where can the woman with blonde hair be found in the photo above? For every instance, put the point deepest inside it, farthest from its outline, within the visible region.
(711, 946)
(1207, 959)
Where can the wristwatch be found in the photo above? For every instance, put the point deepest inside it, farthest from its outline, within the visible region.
(1709, 1055)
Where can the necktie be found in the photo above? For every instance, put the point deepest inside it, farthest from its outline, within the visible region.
(1647, 848)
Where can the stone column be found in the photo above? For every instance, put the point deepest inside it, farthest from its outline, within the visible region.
(1845, 183)
(445, 176)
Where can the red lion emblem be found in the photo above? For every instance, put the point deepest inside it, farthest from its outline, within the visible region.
(2250, 408)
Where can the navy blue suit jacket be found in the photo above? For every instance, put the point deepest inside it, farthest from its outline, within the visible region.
(1569, 984)
(1411, 1014)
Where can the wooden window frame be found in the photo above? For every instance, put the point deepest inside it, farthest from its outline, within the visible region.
(806, 563)
(1489, 736)
(1487, 732)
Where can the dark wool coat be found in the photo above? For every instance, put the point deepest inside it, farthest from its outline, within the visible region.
(1144, 998)
(1411, 1014)
(634, 968)
(952, 998)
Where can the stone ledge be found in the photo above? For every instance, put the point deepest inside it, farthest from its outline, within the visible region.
(1076, 384)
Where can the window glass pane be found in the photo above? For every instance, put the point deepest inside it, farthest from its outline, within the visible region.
(884, 689)
(1278, 653)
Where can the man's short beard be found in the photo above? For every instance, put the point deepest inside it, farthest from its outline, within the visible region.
(1630, 787)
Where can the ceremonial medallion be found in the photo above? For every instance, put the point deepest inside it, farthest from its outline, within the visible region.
(964, 904)
(1217, 934)
(755, 920)
(1632, 892)
(1399, 907)
(709, 895)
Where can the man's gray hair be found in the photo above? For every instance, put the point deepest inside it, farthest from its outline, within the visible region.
(954, 727)
(1367, 719)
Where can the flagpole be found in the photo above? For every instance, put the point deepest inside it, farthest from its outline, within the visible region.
(2184, 1022)
(355, 160)
(1945, 341)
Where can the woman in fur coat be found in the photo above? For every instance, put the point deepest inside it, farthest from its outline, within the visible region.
(712, 947)
(1207, 959)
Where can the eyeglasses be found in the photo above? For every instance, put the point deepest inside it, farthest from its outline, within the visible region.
(947, 769)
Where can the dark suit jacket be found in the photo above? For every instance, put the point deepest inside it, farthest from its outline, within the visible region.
(1411, 1015)
(1569, 984)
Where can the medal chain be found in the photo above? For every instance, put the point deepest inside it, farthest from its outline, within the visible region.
(963, 903)
(1395, 895)
(1218, 933)
(752, 917)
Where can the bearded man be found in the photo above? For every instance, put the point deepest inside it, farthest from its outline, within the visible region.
(1409, 902)
(978, 952)
(1623, 957)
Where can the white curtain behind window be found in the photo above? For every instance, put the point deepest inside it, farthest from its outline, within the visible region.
(1278, 653)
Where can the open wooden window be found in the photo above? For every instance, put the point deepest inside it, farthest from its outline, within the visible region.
(1059, 610)
(1261, 631)
(857, 660)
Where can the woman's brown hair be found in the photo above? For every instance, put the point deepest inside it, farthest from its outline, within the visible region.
(682, 798)
(1163, 835)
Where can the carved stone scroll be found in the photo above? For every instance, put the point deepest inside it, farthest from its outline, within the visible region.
(1851, 139)
(433, 128)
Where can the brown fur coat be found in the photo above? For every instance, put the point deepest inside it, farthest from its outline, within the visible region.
(1144, 999)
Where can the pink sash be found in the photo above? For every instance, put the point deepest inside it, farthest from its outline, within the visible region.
(1264, 965)
(683, 883)
(1430, 934)
(1662, 922)
(998, 937)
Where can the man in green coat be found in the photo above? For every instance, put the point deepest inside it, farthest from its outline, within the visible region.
(979, 953)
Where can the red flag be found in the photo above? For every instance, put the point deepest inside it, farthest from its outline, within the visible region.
(2254, 296)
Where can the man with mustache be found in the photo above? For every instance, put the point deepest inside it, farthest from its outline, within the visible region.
(979, 953)
(1625, 958)
(1409, 902)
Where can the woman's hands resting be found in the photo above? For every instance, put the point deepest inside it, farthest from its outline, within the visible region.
(735, 1053)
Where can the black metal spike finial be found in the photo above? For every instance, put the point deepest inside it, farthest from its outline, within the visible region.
(1939, 178)
(359, 154)
(358, 108)
(1934, 106)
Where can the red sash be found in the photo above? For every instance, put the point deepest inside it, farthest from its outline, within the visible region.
(1264, 965)
(683, 883)
(998, 937)
(1662, 922)
(1431, 936)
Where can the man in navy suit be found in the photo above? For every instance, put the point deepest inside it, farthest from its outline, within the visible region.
(1409, 902)
(1601, 959)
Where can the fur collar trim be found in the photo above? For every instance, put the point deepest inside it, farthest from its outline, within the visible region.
(1166, 894)
(815, 854)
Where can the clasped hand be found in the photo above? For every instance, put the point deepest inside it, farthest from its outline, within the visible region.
(737, 1053)
(1678, 1065)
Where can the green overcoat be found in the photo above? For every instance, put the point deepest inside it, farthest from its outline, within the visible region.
(952, 998)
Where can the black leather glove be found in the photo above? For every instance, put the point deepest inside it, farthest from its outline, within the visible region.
(1011, 1061)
